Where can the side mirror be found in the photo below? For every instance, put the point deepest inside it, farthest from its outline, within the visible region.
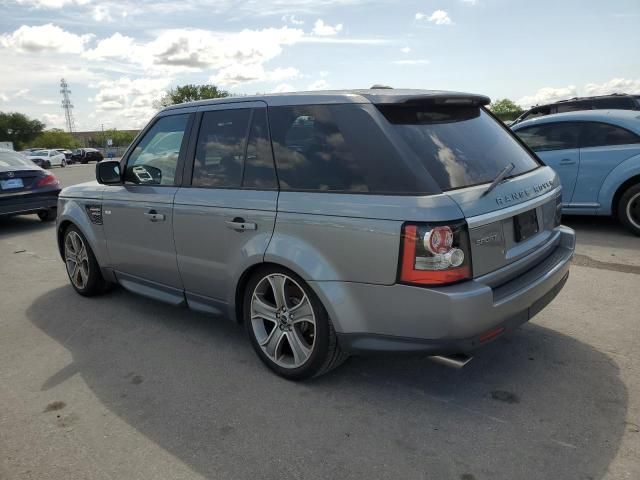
(108, 172)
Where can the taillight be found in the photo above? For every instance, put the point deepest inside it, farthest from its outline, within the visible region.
(48, 179)
(434, 254)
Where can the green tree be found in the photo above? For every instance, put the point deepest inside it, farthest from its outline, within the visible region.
(56, 138)
(19, 129)
(505, 109)
(189, 93)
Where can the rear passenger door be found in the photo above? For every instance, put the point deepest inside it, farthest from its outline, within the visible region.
(602, 148)
(557, 146)
(224, 213)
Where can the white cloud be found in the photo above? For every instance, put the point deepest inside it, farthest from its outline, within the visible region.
(439, 17)
(115, 46)
(239, 74)
(615, 85)
(470, 2)
(4, 97)
(102, 13)
(324, 73)
(44, 38)
(22, 93)
(420, 61)
(325, 30)
(125, 102)
(318, 85)
(283, 87)
(292, 19)
(53, 120)
(51, 4)
(548, 95)
(47, 102)
(405, 49)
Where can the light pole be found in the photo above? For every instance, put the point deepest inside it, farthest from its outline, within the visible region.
(104, 139)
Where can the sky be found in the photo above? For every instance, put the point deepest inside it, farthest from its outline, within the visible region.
(118, 57)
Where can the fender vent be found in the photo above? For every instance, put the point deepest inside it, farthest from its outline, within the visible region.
(95, 213)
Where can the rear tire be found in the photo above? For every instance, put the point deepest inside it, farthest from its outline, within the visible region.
(290, 332)
(48, 215)
(82, 267)
(629, 209)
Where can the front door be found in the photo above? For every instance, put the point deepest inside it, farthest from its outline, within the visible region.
(225, 214)
(138, 215)
(556, 144)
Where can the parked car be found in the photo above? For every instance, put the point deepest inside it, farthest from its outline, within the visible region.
(67, 154)
(597, 156)
(86, 155)
(381, 220)
(48, 158)
(26, 188)
(615, 101)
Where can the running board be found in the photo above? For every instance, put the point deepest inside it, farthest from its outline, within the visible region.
(457, 360)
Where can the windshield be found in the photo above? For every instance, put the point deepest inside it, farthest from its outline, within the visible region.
(12, 160)
(460, 146)
(39, 153)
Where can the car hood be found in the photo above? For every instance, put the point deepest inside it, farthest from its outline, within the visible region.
(83, 190)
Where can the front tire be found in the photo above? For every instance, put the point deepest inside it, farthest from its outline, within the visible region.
(82, 266)
(288, 326)
(63, 163)
(47, 164)
(629, 209)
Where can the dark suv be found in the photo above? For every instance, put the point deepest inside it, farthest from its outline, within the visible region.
(615, 101)
(86, 155)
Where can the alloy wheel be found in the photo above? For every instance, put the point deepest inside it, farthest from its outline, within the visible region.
(76, 259)
(283, 320)
(633, 210)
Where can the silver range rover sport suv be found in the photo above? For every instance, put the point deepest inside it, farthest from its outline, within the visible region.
(328, 223)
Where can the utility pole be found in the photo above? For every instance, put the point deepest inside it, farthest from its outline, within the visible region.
(104, 139)
(67, 105)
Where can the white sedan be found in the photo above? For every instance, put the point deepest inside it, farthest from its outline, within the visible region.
(48, 158)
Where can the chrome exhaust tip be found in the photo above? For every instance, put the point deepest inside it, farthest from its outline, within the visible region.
(457, 360)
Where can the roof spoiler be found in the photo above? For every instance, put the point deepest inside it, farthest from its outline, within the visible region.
(434, 98)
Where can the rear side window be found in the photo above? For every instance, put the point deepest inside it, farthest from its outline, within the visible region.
(551, 136)
(620, 103)
(220, 148)
(459, 146)
(573, 106)
(337, 148)
(603, 134)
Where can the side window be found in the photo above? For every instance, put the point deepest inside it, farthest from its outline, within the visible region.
(603, 134)
(551, 136)
(221, 148)
(612, 103)
(573, 106)
(259, 171)
(155, 158)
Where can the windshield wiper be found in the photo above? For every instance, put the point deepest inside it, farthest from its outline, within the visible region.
(505, 171)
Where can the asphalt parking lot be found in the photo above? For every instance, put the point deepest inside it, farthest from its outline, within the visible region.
(121, 387)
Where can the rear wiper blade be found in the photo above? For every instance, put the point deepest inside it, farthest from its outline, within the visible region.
(505, 171)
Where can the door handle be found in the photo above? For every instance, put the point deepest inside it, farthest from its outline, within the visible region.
(567, 161)
(238, 224)
(154, 216)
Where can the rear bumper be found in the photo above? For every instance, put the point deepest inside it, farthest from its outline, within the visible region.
(452, 319)
(29, 203)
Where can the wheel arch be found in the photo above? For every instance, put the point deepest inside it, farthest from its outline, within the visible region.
(620, 191)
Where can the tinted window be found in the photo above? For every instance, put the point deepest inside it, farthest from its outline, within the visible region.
(551, 136)
(573, 106)
(337, 148)
(621, 103)
(259, 171)
(459, 146)
(220, 149)
(601, 134)
(536, 112)
(155, 158)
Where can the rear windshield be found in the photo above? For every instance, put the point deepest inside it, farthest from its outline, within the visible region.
(460, 146)
(12, 160)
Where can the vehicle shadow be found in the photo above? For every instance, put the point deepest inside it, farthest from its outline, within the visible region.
(537, 404)
(22, 224)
